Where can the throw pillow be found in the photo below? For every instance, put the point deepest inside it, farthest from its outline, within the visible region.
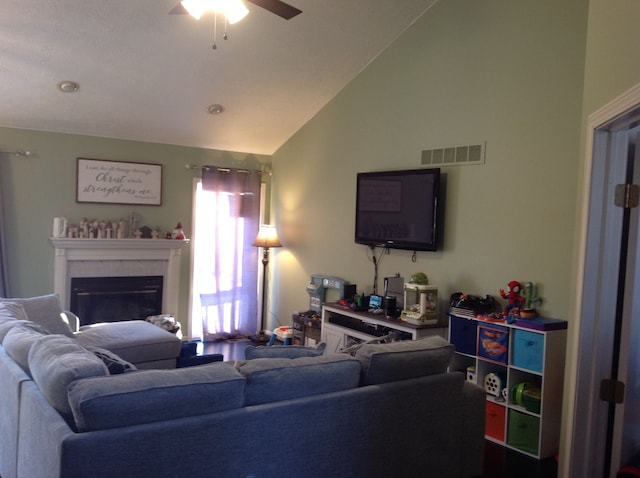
(44, 310)
(12, 310)
(404, 360)
(282, 351)
(55, 361)
(10, 315)
(114, 363)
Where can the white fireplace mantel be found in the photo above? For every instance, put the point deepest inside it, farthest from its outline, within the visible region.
(118, 257)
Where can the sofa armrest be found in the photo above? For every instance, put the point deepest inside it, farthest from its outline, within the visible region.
(71, 319)
(474, 416)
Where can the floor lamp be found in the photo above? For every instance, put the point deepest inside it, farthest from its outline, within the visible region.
(267, 238)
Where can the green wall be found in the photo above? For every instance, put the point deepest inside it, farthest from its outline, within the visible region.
(508, 73)
(42, 186)
(613, 58)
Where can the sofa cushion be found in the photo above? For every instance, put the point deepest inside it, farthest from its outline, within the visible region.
(114, 363)
(404, 360)
(274, 379)
(19, 340)
(282, 351)
(136, 341)
(148, 396)
(46, 311)
(55, 361)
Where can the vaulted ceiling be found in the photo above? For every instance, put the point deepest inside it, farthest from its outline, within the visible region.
(150, 76)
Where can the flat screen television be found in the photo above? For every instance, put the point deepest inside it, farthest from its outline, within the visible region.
(398, 209)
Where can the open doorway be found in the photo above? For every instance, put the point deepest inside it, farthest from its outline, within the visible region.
(605, 418)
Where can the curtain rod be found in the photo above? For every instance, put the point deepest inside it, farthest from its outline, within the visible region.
(17, 152)
(218, 168)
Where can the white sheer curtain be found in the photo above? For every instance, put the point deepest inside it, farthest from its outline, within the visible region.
(225, 262)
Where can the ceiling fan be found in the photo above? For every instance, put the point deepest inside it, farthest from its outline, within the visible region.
(278, 7)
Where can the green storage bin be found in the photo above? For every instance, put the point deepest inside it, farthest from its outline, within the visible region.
(523, 431)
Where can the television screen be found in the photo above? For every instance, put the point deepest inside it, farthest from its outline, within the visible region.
(398, 209)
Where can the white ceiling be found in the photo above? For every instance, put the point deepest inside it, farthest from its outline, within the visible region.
(146, 75)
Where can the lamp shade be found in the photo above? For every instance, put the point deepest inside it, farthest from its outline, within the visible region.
(267, 237)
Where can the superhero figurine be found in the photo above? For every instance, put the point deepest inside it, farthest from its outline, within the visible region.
(514, 298)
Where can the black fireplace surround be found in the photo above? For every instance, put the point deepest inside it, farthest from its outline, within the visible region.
(113, 299)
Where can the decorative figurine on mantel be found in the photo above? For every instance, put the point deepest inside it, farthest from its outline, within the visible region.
(121, 229)
(178, 233)
(133, 228)
(84, 228)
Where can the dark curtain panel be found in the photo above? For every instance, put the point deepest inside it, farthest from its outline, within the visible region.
(4, 274)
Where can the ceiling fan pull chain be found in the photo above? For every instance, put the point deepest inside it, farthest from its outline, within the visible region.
(215, 30)
(226, 24)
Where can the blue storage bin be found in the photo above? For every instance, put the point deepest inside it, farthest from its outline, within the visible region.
(493, 343)
(462, 334)
(528, 350)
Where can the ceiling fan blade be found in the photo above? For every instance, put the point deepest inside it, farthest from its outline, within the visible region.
(178, 10)
(278, 7)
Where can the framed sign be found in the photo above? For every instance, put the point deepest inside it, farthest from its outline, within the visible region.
(117, 182)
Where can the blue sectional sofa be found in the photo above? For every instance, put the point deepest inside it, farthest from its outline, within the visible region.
(388, 410)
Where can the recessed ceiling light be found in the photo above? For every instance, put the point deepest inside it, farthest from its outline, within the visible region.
(68, 86)
(215, 109)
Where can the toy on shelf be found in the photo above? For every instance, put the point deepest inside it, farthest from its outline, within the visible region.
(420, 301)
(514, 299)
(531, 300)
(493, 385)
(467, 305)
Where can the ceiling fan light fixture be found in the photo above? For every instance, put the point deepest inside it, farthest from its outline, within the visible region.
(195, 8)
(234, 10)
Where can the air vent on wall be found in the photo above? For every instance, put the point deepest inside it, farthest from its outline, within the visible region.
(454, 155)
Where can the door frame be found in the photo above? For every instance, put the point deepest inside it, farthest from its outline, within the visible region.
(582, 410)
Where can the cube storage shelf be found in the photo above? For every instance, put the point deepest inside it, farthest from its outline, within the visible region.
(522, 370)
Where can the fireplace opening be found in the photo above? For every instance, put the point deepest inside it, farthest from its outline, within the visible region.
(113, 299)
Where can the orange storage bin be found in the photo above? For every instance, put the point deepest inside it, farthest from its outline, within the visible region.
(496, 419)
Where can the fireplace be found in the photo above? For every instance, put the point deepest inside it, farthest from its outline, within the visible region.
(112, 299)
(119, 258)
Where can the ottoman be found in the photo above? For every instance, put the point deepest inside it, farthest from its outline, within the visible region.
(136, 341)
